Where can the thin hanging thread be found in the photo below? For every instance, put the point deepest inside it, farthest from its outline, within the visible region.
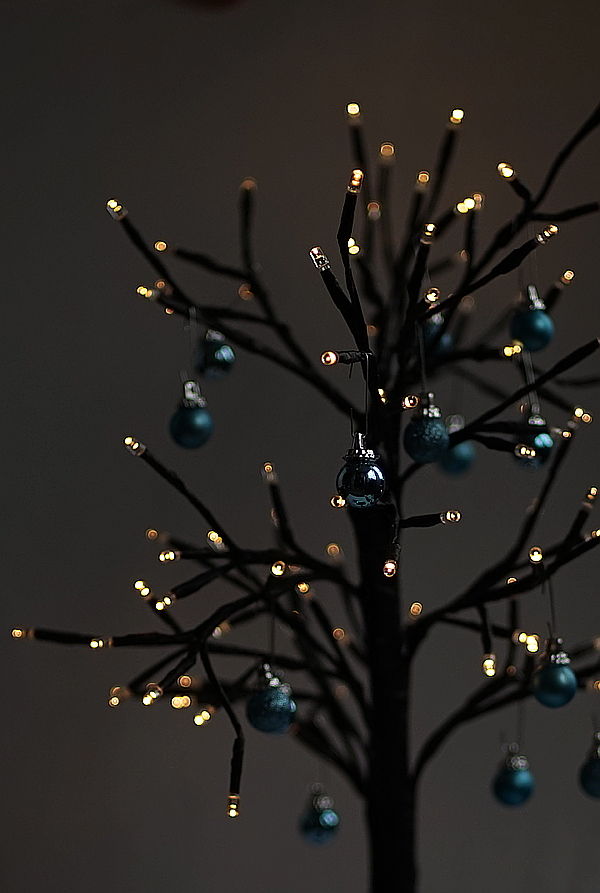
(550, 590)
(532, 398)
(422, 360)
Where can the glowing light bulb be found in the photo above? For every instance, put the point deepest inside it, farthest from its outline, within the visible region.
(233, 806)
(100, 643)
(245, 292)
(337, 501)
(410, 401)
(353, 247)
(456, 116)
(215, 540)
(546, 234)
(506, 170)
(151, 533)
(338, 634)
(153, 693)
(567, 277)
(428, 234)
(387, 150)
(415, 609)
(329, 358)
(489, 664)
(423, 178)
(580, 415)
(185, 681)
(204, 716)
(134, 446)
(220, 630)
(161, 245)
(303, 588)
(450, 517)
(269, 474)
(116, 211)
(18, 633)
(319, 259)
(522, 451)
(170, 555)
(356, 179)
(432, 295)
(511, 580)
(165, 602)
(278, 568)
(390, 567)
(532, 643)
(353, 110)
(181, 702)
(536, 555)
(469, 203)
(333, 550)
(461, 208)
(374, 210)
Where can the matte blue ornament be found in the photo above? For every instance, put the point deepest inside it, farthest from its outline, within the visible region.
(589, 774)
(213, 357)
(514, 783)
(538, 439)
(426, 437)
(532, 326)
(554, 683)
(360, 482)
(271, 709)
(191, 425)
(458, 459)
(319, 823)
(431, 329)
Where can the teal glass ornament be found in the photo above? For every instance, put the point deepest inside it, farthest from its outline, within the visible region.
(360, 482)
(513, 784)
(458, 459)
(554, 683)
(426, 437)
(589, 774)
(213, 357)
(271, 708)
(319, 823)
(191, 425)
(538, 439)
(532, 326)
(438, 345)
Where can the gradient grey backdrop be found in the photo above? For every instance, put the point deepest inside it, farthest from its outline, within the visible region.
(168, 107)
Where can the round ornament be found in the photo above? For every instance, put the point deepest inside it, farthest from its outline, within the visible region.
(191, 424)
(319, 823)
(514, 783)
(360, 481)
(271, 708)
(554, 683)
(589, 774)
(531, 325)
(426, 437)
(458, 459)
(438, 345)
(213, 357)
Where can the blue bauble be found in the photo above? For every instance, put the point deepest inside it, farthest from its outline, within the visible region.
(431, 331)
(542, 443)
(554, 685)
(459, 458)
(191, 426)
(589, 777)
(426, 439)
(513, 786)
(361, 483)
(533, 328)
(213, 357)
(319, 825)
(271, 710)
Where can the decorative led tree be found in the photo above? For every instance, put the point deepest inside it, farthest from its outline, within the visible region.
(413, 336)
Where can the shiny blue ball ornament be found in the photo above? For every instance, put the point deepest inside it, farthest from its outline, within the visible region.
(555, 684)
(426, 437)
(532, 326)
(213, 357)
(431, 339)
(458, 459)
(360, 482)
(514, 783)
(271, 708)
(191, 425)
(319, 823)
(589, 774)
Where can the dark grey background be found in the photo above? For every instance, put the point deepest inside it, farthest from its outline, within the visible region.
(168, 107)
